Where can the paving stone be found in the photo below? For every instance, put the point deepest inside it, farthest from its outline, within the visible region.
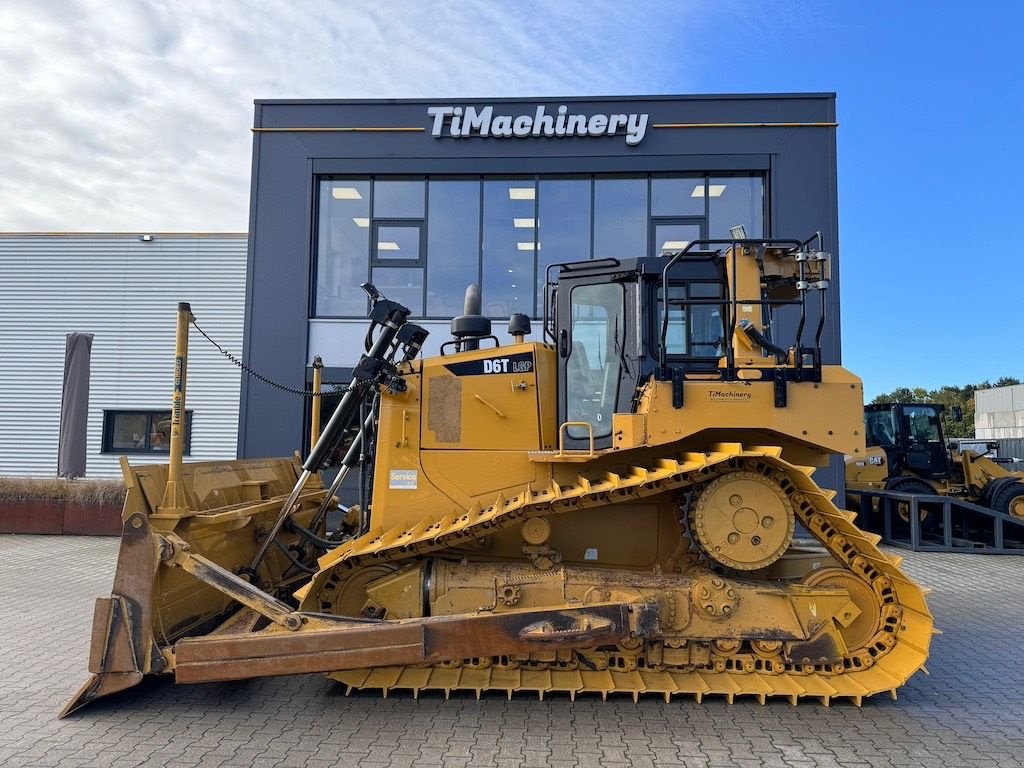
(966, 713)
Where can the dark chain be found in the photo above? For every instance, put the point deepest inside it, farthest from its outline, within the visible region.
(335, 388)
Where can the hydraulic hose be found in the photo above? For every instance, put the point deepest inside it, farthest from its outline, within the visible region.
(391, 316)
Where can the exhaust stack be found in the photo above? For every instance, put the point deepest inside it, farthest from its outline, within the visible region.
(471, 326)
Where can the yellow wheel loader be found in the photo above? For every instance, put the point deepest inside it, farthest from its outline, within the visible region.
(612, 509)
(907, 453)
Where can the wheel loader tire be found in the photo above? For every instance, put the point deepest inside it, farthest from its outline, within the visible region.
(909, 485)
(992, 489)
(1010, 499)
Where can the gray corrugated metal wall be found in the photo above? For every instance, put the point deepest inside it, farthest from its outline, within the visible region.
(1012, 448)
(125, 292)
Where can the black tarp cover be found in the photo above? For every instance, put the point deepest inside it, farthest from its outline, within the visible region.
(74, 406)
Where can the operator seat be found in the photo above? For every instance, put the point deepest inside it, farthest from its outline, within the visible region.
(880, 435)
(579, 376)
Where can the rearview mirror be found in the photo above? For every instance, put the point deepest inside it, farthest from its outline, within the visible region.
(958, 413)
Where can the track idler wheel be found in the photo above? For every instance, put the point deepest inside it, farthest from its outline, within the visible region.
(344, 593)
(858, 623)
(743, 521)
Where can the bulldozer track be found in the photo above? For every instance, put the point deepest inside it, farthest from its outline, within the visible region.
(893, 653)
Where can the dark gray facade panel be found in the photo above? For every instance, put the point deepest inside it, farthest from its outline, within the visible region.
(799, 163)
(276, 312)
(530, 165)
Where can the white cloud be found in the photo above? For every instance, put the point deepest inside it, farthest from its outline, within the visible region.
(135, 115)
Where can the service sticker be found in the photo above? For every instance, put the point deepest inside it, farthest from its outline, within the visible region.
(590, 554)
(402, 479)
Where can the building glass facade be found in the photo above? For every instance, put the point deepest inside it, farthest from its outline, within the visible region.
(428, 238)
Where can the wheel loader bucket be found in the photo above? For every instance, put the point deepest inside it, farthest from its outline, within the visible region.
(228, 507)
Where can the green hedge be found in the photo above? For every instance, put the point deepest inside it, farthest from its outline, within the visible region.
(58, 489)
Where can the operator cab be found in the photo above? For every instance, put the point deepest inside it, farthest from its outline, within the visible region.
(910, 435)
(608, 339)
(617, 323)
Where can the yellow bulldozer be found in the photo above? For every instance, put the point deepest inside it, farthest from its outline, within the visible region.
(612, 509)
(907, 453)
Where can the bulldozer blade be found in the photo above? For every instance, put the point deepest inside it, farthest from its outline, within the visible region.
(227, 501)
(98, 686)
(122, 650)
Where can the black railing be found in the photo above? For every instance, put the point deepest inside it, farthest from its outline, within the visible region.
(734, 245)
(929, 523)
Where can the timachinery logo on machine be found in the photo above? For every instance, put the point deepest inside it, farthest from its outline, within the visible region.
(463, 122)
(729, 395)
(519, 363)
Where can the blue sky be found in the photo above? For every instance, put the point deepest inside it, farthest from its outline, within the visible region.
(135, 116)
(931, 173)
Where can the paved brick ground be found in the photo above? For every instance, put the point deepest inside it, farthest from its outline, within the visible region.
(969, 712)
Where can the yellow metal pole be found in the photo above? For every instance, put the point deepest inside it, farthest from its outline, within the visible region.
(314, 432)
(174, 493)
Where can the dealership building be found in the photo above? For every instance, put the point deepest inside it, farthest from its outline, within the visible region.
(419, 197)
(422, 197)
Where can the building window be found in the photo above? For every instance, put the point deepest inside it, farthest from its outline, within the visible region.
(620, 218)
(453, 244)
(141, 431)
(563, 226)
(397, 247)
(397, 241)
(401, 284)
(735, 200)
(344, 248)
(671, 235)
(401, 199)
(677, 196)
(422, 241)
(509, 246)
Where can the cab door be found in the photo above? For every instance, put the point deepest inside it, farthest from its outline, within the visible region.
(924, 449)
(597, 358)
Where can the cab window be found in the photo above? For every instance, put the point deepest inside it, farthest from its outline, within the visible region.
(594, 363)
(879, 428)
(695, 328)
(922, 424)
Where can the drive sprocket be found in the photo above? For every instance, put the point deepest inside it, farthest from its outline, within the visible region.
(743, 521)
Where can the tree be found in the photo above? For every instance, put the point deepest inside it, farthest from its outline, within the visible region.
(947, 396)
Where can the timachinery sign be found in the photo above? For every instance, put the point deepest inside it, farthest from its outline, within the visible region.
(464, 122)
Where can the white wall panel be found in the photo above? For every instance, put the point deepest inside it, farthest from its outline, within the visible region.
(999, 413)
(125, 292)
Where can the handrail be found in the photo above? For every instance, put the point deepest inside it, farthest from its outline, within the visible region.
(576, 452)
(733, 243)
(732, 302)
